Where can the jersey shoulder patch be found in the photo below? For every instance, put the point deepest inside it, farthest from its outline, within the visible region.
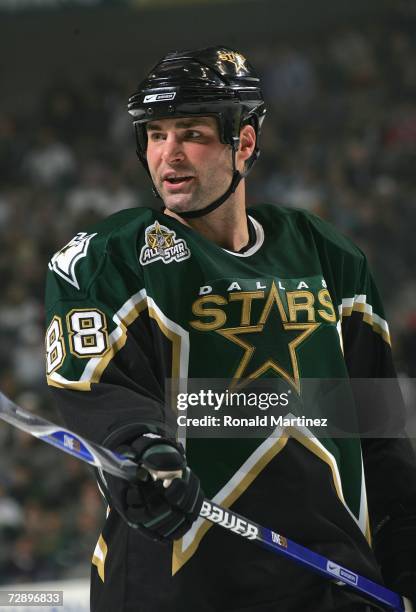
(121, 225)
(64, 262)
(161, 244)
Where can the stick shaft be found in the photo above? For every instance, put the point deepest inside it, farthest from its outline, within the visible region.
(111, 462)
(66, 440)
(301, 555)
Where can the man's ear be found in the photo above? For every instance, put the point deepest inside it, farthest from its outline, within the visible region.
(247, 145)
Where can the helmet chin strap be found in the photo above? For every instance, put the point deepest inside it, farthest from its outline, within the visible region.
(236, 178)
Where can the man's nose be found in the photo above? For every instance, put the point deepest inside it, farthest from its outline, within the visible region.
(172, 149)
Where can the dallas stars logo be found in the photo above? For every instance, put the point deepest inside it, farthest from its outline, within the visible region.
(279, 354)
(162, 245)
(235, 58)
(268, 321)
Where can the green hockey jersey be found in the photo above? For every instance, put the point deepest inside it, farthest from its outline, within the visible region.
(141, 298)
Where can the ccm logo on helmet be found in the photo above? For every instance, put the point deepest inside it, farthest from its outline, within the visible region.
(229, 521)
(159, 97)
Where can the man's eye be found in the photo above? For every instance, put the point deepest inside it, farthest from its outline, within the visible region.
(155, 136)
(193, 134)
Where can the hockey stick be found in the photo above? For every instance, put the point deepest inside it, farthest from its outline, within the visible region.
(104, 459)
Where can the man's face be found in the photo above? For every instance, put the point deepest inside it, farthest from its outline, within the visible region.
(188, 164)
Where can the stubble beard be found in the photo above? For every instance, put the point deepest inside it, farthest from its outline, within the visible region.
(200, 196)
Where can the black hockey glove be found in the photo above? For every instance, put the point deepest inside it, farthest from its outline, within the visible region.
(161, 513)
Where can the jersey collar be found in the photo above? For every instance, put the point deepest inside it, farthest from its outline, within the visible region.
(259, 239)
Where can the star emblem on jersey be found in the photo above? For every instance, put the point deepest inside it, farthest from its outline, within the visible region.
(260, 359)
(64, 261)
(162, 245)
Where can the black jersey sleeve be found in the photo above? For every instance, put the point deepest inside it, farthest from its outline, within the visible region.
(388, 455)
(106, 357)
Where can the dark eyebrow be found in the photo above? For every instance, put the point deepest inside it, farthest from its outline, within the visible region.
(181, 123)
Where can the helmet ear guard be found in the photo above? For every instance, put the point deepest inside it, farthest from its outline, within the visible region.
(216, 82)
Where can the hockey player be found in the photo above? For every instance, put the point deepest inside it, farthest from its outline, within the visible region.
(206, 289)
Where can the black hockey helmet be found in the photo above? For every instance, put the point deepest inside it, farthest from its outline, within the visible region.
(216, 81)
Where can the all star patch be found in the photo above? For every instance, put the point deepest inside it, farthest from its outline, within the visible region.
(162, 245)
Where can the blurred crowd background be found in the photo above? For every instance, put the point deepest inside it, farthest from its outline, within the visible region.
(339, 140)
